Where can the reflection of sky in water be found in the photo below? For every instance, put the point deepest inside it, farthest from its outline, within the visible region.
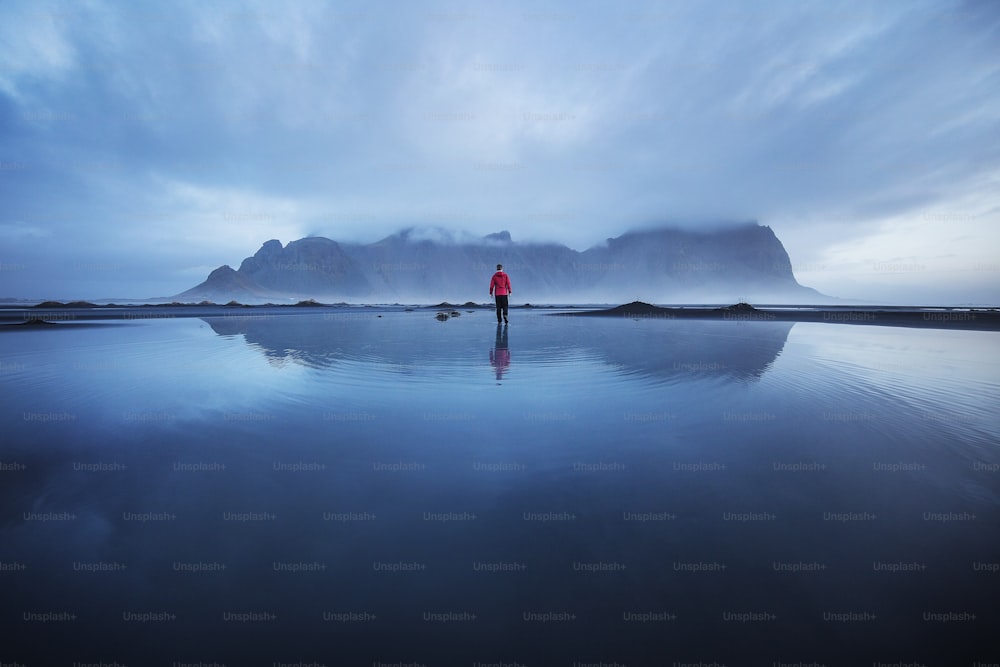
(402, 417)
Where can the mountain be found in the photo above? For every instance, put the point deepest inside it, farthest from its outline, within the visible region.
(657, 265)
(309, 266)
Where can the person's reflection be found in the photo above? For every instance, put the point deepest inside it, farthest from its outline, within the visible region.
(500, 354)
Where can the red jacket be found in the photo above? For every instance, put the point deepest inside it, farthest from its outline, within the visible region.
(500, 283)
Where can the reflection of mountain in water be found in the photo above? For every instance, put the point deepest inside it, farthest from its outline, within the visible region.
(685, 350)
(318, 340)
(671, 351)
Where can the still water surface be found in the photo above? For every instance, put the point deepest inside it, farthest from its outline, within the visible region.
(374, 486)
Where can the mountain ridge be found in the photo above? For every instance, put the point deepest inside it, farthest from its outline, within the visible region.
(659, 264)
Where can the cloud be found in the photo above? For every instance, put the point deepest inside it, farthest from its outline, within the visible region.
(35, 48)
(141, 127)
(219, 217)
(22, 231)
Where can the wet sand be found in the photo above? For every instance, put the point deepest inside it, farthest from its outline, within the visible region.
(890, 316)
(975, 319)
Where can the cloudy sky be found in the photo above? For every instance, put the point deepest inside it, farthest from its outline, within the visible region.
(144, 144)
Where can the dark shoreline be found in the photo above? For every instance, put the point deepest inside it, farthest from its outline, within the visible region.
(973, 319)
(49, 314)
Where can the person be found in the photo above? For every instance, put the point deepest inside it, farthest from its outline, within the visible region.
(500, 285)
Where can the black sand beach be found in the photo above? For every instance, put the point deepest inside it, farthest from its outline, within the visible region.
(955, 318)
(893, 316)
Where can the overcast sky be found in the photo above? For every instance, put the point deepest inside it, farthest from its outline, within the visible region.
(144, 144)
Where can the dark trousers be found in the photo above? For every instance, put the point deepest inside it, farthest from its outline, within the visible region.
(501, 306)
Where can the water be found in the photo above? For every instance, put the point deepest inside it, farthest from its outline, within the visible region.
(373, 487)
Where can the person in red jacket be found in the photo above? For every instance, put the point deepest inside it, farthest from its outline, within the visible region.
(500, 286)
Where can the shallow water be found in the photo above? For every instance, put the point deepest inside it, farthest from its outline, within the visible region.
(374, 486)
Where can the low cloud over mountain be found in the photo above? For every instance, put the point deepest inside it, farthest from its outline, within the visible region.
(414, 266)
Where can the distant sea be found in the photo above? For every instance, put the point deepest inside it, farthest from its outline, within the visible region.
(367, 486)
